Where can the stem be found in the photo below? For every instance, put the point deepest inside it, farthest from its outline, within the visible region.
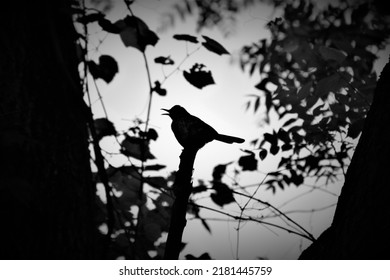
(311, 237)
(179, 65)
(100, 98)
(252, 220)
(150, 91)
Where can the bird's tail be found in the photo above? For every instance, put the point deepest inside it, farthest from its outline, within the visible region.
(229, 139)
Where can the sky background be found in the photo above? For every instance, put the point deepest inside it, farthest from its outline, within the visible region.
(221, 105)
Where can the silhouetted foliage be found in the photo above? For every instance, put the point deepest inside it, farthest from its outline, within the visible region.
(321, 63)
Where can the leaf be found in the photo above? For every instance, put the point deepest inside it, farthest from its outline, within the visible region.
(284, 136)
(164, 60)
(105, 70)
(274, 149)
(136, 147)
(268, 100)
(274, 25)
(218, 172)
(104, 127)
(158, 216)
(248, 163)
(204, 223)
(214, 46)
(154, 167)
(288, 122)
(262, 85)
(122, 241)
(271, 138)
(317, 110)
(296, 179)
(158, 89)
(158, 182)
(272, 188)
(252, 69)
(290, 44)
(128, 186)
(198, 77)
(284, 161)
(204, 256)
(312, 162)
(333, 83)
(152, 134)
(263, 154)
(163, 202)
(328, 53)
(304, 91)
(90, 18)
(108, 26)
(186, 37)
(152, 231)
(135, 33)
(247, 105)
(310, 102)
(129, 2)
(286, 147)
(287, 96)
(109, 66)
(257, 104)
(280, 184)
(223, 194)
(129, 196)
(199, 189)
(355, 128)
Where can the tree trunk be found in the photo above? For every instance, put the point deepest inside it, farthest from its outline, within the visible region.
(361, 224)
(46, 191)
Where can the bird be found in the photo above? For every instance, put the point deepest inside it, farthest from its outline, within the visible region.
(190, 131)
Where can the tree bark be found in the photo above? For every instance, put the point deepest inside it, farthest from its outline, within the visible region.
(46, 191)
(361, 224)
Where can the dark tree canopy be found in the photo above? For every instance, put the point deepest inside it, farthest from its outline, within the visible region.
(322, 65)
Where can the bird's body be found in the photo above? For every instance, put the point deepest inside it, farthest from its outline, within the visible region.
(190, 131)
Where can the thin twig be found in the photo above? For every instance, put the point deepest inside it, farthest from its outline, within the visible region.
(303, 211)
(252, 220)
(100, 98)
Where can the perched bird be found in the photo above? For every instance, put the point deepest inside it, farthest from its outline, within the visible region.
(191, 131)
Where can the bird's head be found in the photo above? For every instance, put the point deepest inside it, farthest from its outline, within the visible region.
(175, 112)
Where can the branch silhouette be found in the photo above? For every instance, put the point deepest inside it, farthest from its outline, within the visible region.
(192, 133)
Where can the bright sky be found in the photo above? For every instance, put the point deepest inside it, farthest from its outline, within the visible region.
(222, 106)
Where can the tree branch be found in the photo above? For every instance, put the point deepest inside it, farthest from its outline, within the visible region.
(182, 189)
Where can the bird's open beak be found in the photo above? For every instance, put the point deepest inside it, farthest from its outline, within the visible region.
(166, 110)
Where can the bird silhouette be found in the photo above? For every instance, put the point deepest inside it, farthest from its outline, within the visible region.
(190, 131)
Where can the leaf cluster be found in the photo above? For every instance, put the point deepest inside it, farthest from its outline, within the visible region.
(321, 66)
